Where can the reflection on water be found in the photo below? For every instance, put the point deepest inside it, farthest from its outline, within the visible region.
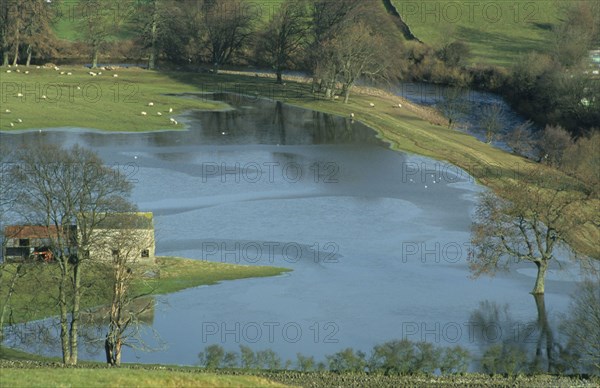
(388, 230)
(548, 344)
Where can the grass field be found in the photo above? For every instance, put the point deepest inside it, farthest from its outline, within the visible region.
(497, 32)
(33, 297)
(97, 102)
(124, 377)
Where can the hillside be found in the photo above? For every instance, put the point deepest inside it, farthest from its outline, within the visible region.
(497, 32)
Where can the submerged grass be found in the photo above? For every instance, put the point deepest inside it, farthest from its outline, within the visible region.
(35, 290)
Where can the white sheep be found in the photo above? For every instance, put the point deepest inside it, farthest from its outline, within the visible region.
(7, 111)
(150, 104)
(19, 120)
(26, 71)
(170, 110)
(352, 115)
(12, 125)
(43, 96)
(19, 94)
(9, 71)
(144, 113)
(115, 75)
(159, 113)
(69, 73)
(372, 105)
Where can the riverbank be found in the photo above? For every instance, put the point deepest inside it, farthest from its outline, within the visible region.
(33, 299)
(408, 128)
(40, 374)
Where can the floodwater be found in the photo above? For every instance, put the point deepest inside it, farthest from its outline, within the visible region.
(377, 240)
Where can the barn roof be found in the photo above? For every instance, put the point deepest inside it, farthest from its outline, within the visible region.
(138, 220)
(30, 231)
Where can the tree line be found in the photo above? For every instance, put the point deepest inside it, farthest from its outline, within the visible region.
(338, 41)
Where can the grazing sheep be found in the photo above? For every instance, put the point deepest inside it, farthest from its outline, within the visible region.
(170, 110)
(69, 73)
(115, 75)
(56, 68)
(372, 105)
(19, 94)
(38, 67)
(7, 111)
(18, 71)
(336, 97)
(172, 120)
(19, 120)
(9, 71)
(11, 124)
(43, 97)
(99, 73)
(399, 105)
(26, 71)
(160, 114)
(78, 87)
(175, 122)
(144, 113)
(62, 73)
(150, 104)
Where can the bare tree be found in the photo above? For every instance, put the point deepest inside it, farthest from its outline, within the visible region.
(68, 192)
(553, 143)
(491, 121)
(228, 27)
(520, 139)
(100, 19)
(527, 228)
(359, 52)
(285, 35)
(328, 18)
(122, 251)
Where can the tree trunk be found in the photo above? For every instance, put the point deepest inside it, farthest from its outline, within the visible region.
(542, 266)
(11, 290)
(5, 58)
(64, 328)
(216, 68)
(346, 94)
(279, 76)
(16, 57)
(153, 39)
(95, 58)
(73, 334)
(29, 50)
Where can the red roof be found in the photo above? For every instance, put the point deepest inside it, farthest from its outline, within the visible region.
(30, 231)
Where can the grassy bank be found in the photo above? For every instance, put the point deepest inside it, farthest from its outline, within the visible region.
(34, 292)
(98, 102)
(17, 373)
(497, 32)
(124, 377)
